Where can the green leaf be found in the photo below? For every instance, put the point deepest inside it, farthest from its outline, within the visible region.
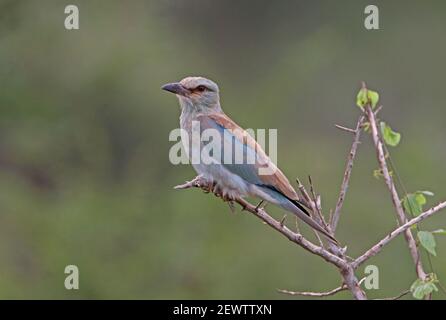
(427, 240)
(426, 193)
(417, 289)
(361, 98)
(366, 96)
(440, 231)
(390, 137)
(420, 199)
(373, 98)
(411, 204)
(421, 288)
(431, 287)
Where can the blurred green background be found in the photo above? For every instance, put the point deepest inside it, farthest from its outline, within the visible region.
(85, 177)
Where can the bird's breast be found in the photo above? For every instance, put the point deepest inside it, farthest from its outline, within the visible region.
(228, 182)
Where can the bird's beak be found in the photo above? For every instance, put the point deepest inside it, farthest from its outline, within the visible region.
(175, 88)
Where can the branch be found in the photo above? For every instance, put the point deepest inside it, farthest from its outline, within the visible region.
(260, 213)
(305, 197)
(314, 294)
(317, 204)
(318, 294)
(378, 247)
(402, 294)
(314, 203)
(348, 170)
(393, 192)
(345, 129)
(344, 267)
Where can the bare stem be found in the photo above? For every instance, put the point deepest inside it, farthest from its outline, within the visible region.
(318, 294)
(402, 294)
(344, 267)
(393, 192)
(277, 225)
(392, 235)
(348, 170)
(314, 294)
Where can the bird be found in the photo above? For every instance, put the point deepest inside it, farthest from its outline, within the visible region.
(199, 100)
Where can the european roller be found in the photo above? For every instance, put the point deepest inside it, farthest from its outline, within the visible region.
(200, 108)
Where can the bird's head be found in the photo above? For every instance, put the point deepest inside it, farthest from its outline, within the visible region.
(198, 93)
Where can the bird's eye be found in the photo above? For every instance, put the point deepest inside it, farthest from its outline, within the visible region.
(201, 88)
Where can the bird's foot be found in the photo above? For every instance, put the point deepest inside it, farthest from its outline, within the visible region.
(218, 192)
(215, 190)
(231, 206)
(227, 198)
(208, 186)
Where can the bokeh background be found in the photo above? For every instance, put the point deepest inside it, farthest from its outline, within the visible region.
(85, 177)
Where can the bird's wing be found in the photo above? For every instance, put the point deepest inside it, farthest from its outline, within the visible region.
(248, 171)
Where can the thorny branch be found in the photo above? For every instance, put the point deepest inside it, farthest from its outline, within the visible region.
(335, 254)
(392, 235)
(277, 225)
(394, 193)
(348, 170)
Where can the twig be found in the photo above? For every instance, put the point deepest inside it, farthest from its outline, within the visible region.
(344, 267)
(314, 294)
(306, 199)
(393, 192)
(378, 110)
(378, 247)
(312, 202)
(282, 222)
(348, 170)
(402, 294)
(316, 200)
(318, 294)
(297, 238)
(345, 128)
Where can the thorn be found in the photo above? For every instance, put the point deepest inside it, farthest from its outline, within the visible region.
(298, 182)
(378, 109)
(345, 128)
(258, 206)
(361, 281)
(282, 222)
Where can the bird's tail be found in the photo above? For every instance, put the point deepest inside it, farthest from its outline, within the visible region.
(299, 210)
